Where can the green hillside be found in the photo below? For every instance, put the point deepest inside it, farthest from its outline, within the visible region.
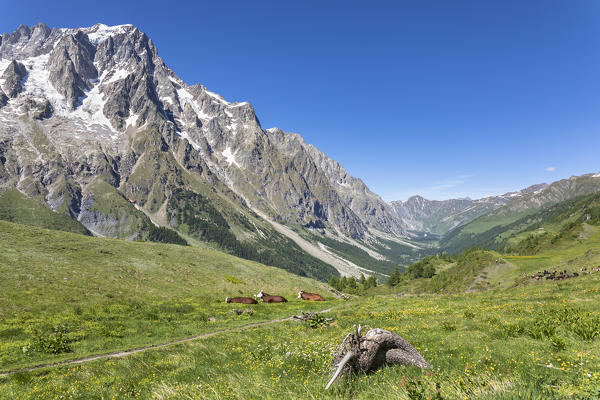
(107, 294)
(16, 207)
(529, 339)
(474, 269)
(534, 231)
(487, 326)
(565, 236)
(574, 219)
(482, 232)
(490, 229)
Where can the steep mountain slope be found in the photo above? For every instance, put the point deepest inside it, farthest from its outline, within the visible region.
(96, 125)
(355, 194)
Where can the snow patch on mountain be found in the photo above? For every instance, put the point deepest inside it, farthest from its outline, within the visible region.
(100, 32)
(230, 157)
(91, 108)
(131, 120)
(186, 97)
(166, 99)
(186, 136)
(117, 75)
(38, 81)
(37, 85)
(217, 96)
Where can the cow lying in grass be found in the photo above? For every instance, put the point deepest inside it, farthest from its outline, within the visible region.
(310, 296)
(244, 300)
(267, 298)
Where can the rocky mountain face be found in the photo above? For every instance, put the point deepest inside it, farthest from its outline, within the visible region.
(94, 124)
(351, 192)
(434, 216)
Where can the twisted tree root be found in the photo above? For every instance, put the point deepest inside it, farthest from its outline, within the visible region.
(377, 348)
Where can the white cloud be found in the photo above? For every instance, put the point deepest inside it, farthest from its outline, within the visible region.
(550, 169)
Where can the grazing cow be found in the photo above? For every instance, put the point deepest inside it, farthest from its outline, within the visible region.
(267, 298)
(244, 300)
(310, 296)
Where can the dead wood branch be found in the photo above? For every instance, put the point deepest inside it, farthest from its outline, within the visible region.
(376, 348)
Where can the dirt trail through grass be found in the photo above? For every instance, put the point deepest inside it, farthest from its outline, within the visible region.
(125, 353)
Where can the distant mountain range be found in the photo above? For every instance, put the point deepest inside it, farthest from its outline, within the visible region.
(441, 216)
(479, 230)
(95, 126)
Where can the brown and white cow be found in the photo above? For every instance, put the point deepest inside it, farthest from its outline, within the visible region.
(310, 296)
(267, 298)
(244, 300)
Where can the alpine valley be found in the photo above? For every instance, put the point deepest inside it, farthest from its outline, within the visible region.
(99, 136)
(144, 220)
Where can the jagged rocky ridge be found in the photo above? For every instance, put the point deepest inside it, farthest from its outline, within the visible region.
(83, 105)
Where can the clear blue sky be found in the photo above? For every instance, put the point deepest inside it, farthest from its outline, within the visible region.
(439, 98)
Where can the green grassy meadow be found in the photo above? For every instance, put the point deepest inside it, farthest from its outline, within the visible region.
(514, 338)
(103, 295)
(526, 342)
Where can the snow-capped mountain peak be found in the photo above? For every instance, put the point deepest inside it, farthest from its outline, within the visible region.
(97, 91)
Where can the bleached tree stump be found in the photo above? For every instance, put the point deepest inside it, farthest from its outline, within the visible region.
(369, 352)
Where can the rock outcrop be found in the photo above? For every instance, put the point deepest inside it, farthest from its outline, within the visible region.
(12, 79)
(71, 66)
